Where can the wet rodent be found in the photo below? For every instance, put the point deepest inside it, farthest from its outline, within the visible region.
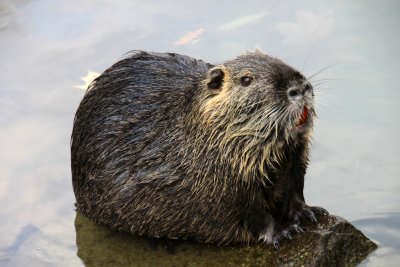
(164, 145)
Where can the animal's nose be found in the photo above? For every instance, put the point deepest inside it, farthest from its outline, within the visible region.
(296, 93)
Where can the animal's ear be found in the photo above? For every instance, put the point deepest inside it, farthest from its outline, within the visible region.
(216, 78)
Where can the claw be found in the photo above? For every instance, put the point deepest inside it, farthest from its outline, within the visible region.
(278, 232)
(298, 228)
(296, 219)
(319, 211)
(308, 212)
(289, 236)
(286, 234)
(311, 216)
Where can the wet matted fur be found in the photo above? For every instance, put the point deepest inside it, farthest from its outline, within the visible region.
(165, 145)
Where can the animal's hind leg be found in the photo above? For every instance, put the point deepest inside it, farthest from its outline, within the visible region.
(273, 232)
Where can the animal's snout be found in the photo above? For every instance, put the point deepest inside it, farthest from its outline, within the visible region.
(296, 93)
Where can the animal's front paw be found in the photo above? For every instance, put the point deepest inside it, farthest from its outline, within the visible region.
(304, 211)
(274, 234)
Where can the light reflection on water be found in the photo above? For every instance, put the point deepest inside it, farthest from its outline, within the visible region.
(46, 47)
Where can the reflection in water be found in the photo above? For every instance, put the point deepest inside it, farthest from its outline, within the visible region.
(307, 28)
(190, 37)
(98, 245)
(9, 252)
(6, 8)
(91, 75)
(385, 228)
(242, 21)
(332, 241)
(45, 245)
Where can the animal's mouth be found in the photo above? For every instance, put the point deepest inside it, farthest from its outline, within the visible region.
(303, 117)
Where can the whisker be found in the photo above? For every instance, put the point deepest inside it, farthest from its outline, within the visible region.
(319, 71)
(317, 85)
(253, 104)
(323, 79)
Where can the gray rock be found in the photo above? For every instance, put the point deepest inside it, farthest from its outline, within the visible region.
(331, 242)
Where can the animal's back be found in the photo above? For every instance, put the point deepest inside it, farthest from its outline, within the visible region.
(123, 120)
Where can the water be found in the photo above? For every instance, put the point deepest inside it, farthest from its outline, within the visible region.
(48, 46)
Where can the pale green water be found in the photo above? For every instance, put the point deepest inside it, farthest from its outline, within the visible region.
(46, 47)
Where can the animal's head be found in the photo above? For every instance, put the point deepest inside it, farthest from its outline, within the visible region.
(260, 96)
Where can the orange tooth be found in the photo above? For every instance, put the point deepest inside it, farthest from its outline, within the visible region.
(303, 117)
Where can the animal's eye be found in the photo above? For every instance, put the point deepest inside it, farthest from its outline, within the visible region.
(246, 80)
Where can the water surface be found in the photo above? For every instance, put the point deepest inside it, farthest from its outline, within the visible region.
(51, 49)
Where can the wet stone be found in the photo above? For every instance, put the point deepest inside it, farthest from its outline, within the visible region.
(331, 242)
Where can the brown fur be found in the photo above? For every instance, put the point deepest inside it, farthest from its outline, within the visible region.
(164, 145)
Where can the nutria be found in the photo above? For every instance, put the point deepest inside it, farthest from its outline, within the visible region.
(164, 145)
